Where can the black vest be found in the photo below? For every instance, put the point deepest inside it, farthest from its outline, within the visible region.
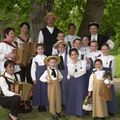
(49, 40)
(8, 82)
(102, 39)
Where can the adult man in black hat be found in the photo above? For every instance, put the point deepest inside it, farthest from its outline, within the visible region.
(95, 36)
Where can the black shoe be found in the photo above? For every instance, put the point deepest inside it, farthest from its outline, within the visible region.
(40, 108)
(111, 114)
(60, 115)
(55, 117)
(44, 108)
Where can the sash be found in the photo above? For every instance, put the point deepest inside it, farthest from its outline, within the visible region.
(10, 44)
(23, 39)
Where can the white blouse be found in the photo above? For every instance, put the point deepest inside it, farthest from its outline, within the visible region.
(6, 49)
(19, 41)
(4, 86)
(40, 60)
(94, 55)
(99, 76)
(41, 37)
(44, 77)
(106, 62)
(76, 69)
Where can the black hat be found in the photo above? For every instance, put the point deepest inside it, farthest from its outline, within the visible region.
(93, 24)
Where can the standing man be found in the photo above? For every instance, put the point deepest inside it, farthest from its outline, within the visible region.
(48, 34)
(95, 36)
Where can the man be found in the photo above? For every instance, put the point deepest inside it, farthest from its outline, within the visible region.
(48, 34)
(95, 36)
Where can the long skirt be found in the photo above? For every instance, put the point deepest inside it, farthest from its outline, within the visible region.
(75, 96)
(112, 105)
(40, 97)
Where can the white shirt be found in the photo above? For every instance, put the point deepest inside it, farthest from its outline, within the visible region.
(19, 41)
(40, 60)
(99, 76)
(4, 86)
(85, 51)
(106, 62)
(94, 37)
(80, 66)
(70, 38)
(44, 77)
(6, 49)
(63, 55)
(41, 37)
(94, 55)
(109, 41)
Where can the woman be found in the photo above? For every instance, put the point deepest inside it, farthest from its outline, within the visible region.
(6, 49)
(24, 37)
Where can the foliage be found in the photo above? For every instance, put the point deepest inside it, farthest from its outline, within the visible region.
(111, 24)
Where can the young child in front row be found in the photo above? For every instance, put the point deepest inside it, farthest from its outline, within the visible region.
(53, 77)
(38, 67)
(100, 90)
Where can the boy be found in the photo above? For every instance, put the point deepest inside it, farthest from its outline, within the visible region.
(53, 77)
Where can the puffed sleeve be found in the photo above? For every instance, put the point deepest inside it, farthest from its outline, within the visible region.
(110, 43)
(33, 70)
(2, 56)
(5, 89)
(40, 37)
(44, 76)
(60, 75)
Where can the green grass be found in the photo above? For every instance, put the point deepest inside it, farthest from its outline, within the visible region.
(117, 61)
(35, 115)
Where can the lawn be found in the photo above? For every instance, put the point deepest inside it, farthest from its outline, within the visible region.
(35, 115)
(117, 60)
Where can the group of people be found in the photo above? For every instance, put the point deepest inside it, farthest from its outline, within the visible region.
(64, 71)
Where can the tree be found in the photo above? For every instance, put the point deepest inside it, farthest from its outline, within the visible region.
(93, 13)
(39, 10)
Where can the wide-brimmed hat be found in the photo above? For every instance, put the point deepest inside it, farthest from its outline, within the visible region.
(46, 60)
(58, 43)
(93, 24)
(50, 14)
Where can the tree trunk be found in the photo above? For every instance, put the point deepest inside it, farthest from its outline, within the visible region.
(37, 16)
(93, 13)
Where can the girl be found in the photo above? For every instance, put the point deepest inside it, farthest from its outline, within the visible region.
(97, 89)
(40, 88)
(109, 65)
(8, 98)
(6, 49)
(75, 84)
(53, 77)
(24, 37)
(85, 46)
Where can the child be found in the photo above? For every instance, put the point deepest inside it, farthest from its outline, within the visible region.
(8, 98)
(71, 35)
(75, 84)
(60, 37)
(61, 48)
(40, 89)
(85, 45)
(53, 77)
(99, 90)
(109, 65)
